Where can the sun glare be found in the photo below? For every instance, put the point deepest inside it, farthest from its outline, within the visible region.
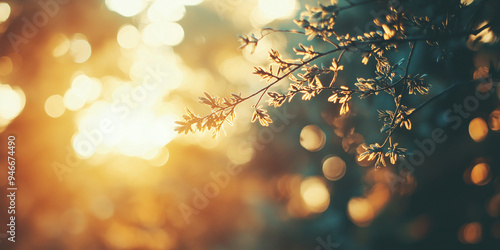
(12, 101)
(126, 8)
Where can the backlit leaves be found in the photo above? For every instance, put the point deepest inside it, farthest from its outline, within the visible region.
(416, 84)
(262, 116)
(248, 40)
(376, 49)
(342, 96)
(223, 111)
(394, 153)
(276, 99)
(373, 151)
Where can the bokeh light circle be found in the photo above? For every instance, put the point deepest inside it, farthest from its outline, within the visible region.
(315, 194)
(312, 138)
(334, 168)
(478, 129)
(54, 106)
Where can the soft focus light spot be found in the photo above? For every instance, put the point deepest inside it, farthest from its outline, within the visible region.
(12, 102)
(378, 196)
(360, 211)
(54, 106)
(493, 206)
(159, 76)
(5, 65)
(478, 129)
(161, 130)
(4, 11)
(240, 155)
(190, 2)
(163, 34)
(481, 74)
(84, 148)
(128, 36)
(315, 194)
(87, 88)
(236, 69)
(277, 8)
(470, 233)
(259, 19)
(312, 138)
(480, 174)
(151, 35)
(63, 46)
(161, 158)
(494, 120)
(126, 8)
(176, 34)
(74, 221)
(102, 207)
(73, 100)
(162, 11)
(155, 34)
(119, 235)
(139, 132)
(334, 168)
(80, 50)
(419, 227)
(495, 229)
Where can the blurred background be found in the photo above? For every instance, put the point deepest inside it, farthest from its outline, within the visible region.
(91, 90)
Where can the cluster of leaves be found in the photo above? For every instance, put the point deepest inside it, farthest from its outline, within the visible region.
(398, 28)
(222, 112)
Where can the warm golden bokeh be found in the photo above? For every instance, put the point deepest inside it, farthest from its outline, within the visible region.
(92, 94)
(12, 101)
(493, 206)
(478, 129)
(4, 11)
(470, 233)
(360, 211)
(480, 174)
(312, 138)
(494, 120)
(54, 106)
(334, 168)
(315, 194)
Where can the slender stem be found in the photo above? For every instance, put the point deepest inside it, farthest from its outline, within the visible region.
(271, 31)
(352, 45)
(264, 90)
(421, 38)
(398, 107)
(433, 98)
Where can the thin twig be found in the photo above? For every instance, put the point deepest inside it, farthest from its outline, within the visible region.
(398, 107)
